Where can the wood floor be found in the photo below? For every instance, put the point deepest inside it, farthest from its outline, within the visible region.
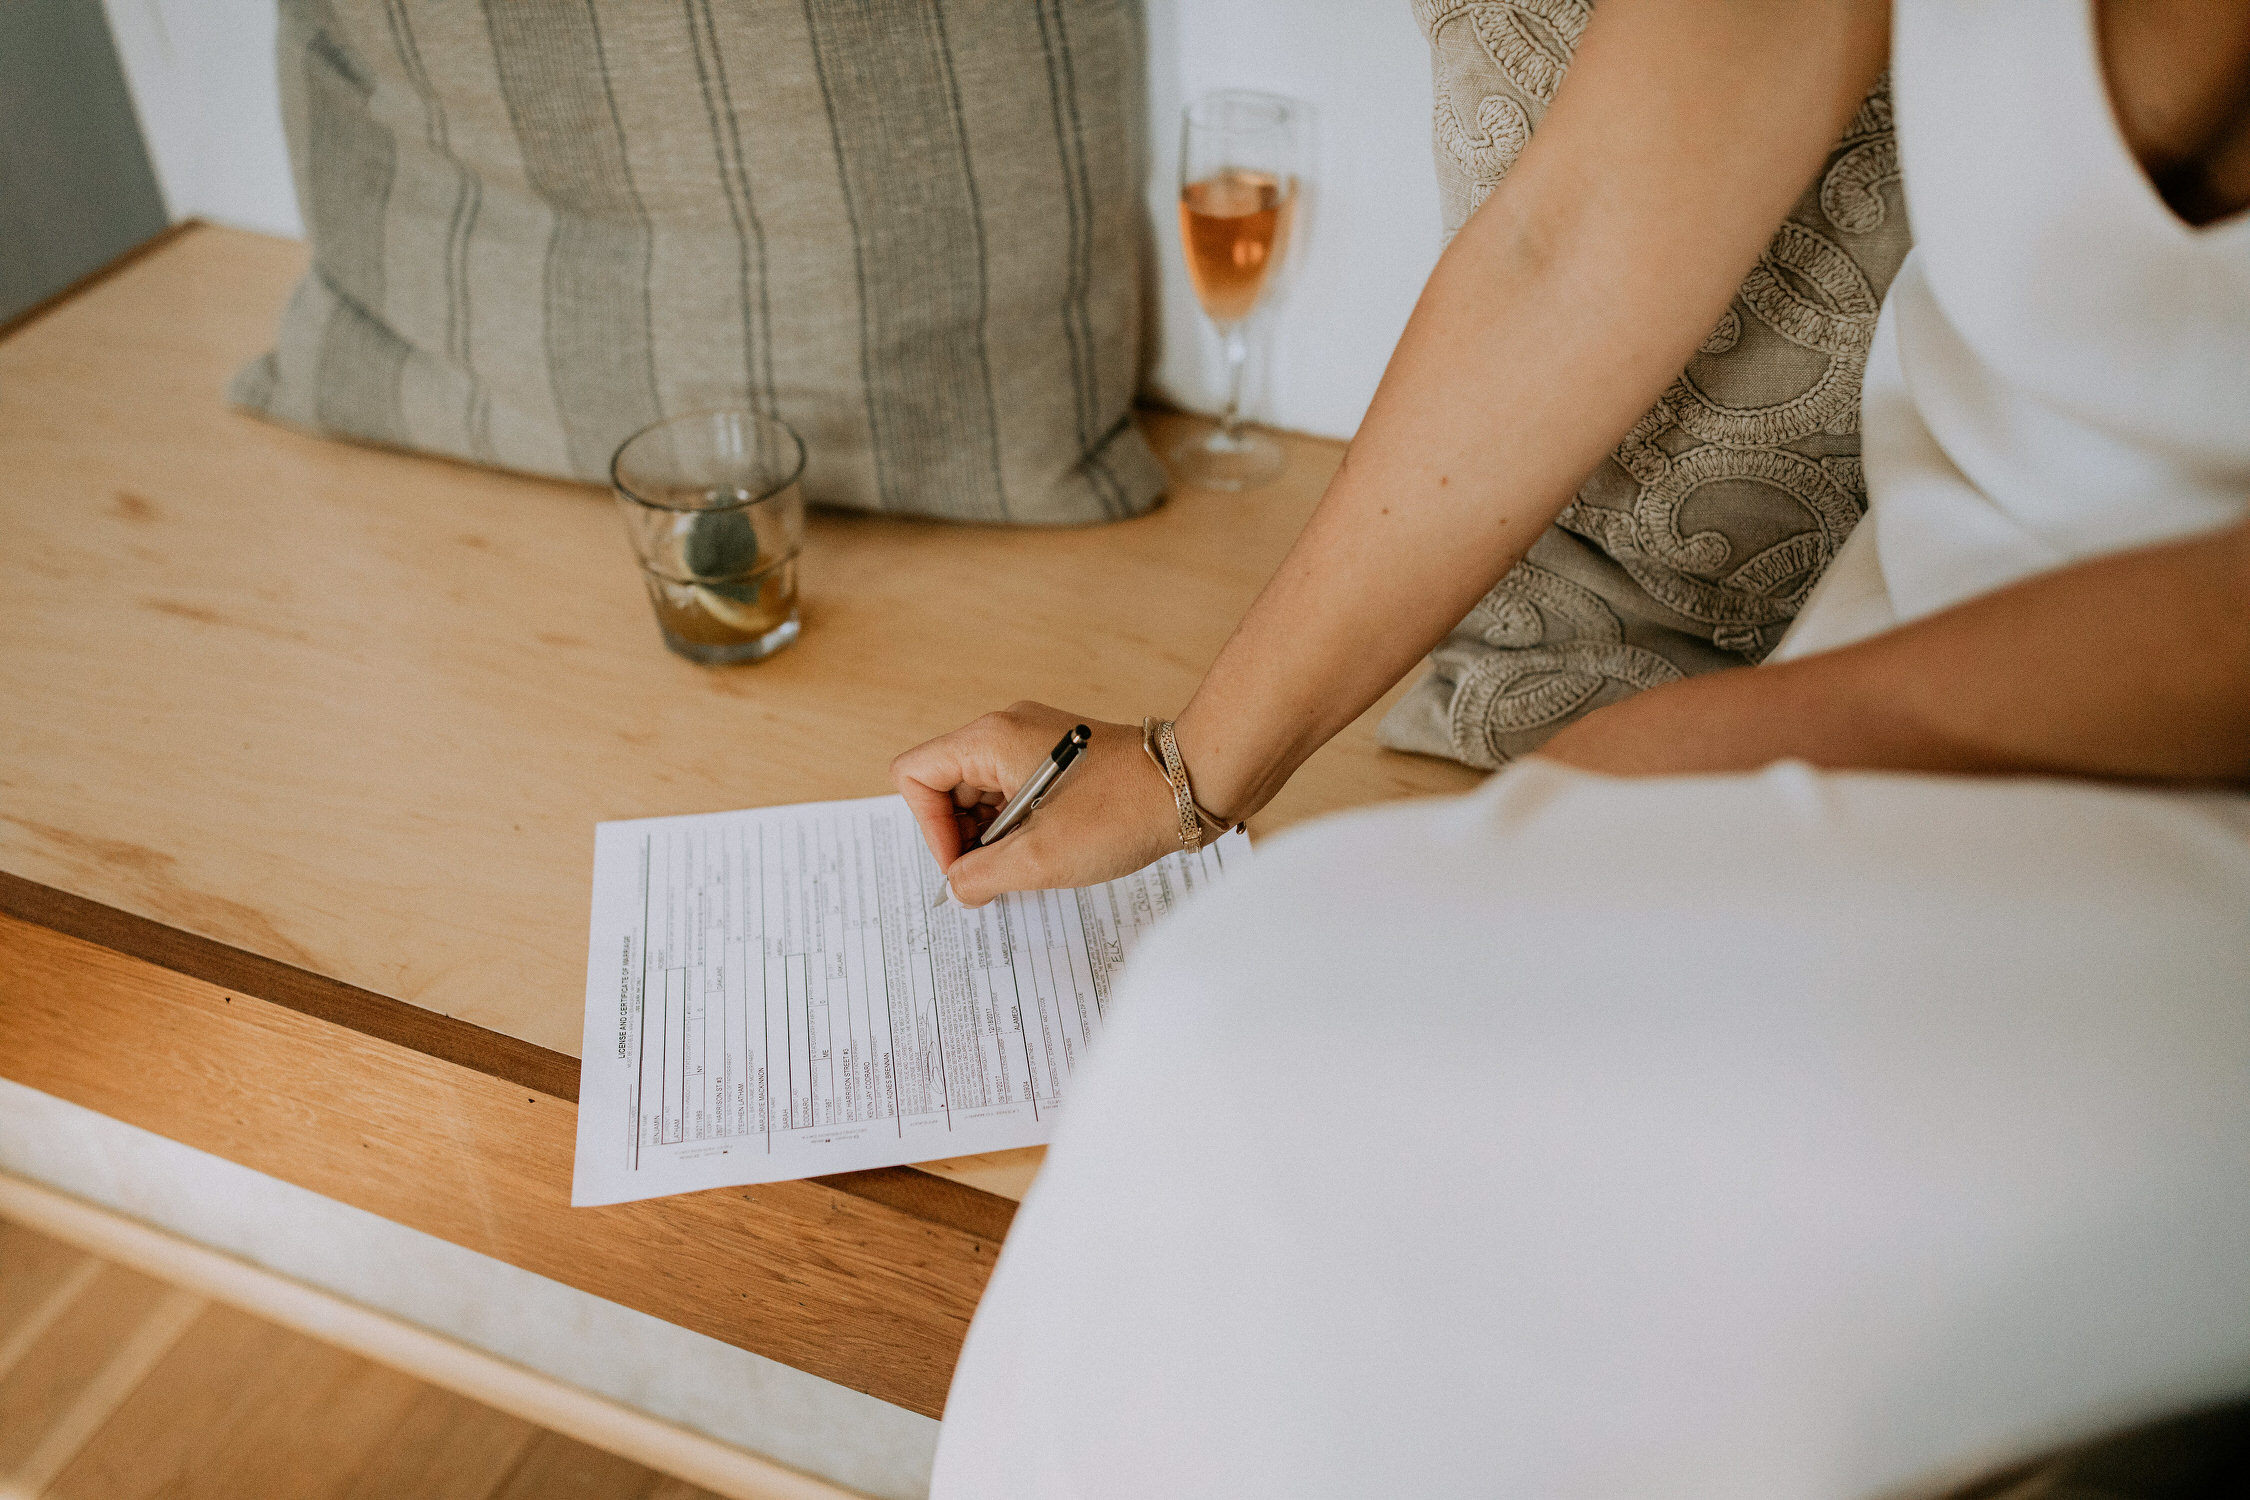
(117, 1387)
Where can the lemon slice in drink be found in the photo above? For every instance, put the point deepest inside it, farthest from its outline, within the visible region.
(724, 543)
(748, 615)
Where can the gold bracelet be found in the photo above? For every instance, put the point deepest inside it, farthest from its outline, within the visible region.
(1198, 825)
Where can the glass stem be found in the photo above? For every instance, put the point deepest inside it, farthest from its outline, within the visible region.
(1238, 359)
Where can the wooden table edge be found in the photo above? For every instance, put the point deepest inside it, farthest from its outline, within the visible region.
(923, 1195)
(495, 1054)
(864, 1278)
(31, 312)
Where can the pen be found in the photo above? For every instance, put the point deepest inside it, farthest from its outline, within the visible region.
(1031, 793)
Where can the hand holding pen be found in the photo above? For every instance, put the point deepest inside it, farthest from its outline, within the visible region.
(1030, 794)
(1110, 816)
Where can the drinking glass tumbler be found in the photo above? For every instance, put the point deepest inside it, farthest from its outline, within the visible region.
(712, 503)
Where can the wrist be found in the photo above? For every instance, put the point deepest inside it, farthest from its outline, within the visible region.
(1232, 778)
(1194, 824)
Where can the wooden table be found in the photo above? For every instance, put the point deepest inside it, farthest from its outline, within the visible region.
(302, 746)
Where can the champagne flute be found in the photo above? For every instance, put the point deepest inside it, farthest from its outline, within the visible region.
(1238, 191)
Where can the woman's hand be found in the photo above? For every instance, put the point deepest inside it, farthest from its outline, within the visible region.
(1110, 814)
(2132, 667)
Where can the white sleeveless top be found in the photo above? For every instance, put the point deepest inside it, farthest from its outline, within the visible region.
(2062, 367)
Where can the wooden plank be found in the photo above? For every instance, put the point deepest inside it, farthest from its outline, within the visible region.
(446, 1447)
(668, 1488)
(38, 1277)
(443, 1037)
(68, 1353)
(358, 711)
(1003, 1174)
(81, 1367)
(873, 1291)
(967, 1207)
(240, 1407)
(465, 1437)
(561, 1468)
(86, 283)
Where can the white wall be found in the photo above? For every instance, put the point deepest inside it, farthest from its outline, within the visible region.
(202, 74)
(1367, 233)
(202, 77)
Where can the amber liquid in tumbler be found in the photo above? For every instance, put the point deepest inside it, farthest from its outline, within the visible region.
(1235, 225)
(729, 613)
(718, 597)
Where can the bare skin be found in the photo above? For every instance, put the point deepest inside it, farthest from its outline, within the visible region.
(2179, 82)
(1430, 507)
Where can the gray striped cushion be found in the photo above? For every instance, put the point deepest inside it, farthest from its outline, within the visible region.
(910, 229)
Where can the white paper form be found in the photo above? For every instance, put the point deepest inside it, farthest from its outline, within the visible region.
(771, 995)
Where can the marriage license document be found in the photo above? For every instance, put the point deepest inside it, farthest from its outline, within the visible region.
(771, 994)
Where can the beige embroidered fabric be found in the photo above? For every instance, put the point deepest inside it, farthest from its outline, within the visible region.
(912, 232)
(1694, 544)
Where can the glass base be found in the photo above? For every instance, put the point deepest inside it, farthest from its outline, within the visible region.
(749, 648)
(1213, 460)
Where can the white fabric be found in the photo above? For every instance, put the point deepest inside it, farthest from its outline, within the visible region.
(1848, 604)
(1788, 1135)
(2060, 368)
(1782, 1135)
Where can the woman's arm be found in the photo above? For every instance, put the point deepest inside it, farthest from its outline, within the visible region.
(2133, 666)
(1681, 135)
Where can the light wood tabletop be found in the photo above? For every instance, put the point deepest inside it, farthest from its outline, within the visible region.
(357, 712)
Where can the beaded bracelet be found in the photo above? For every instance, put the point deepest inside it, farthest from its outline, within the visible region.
(1198, 825)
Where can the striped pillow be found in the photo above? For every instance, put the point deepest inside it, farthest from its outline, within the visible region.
(910, 230)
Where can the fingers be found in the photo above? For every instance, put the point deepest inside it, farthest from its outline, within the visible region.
(934, 813)
(1019, 862)
(939, 780)
(1113, 813)
(952, 782)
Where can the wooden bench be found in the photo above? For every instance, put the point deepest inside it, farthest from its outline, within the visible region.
(302, 746)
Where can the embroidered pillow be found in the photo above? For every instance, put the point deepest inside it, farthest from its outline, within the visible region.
(1696, 541)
